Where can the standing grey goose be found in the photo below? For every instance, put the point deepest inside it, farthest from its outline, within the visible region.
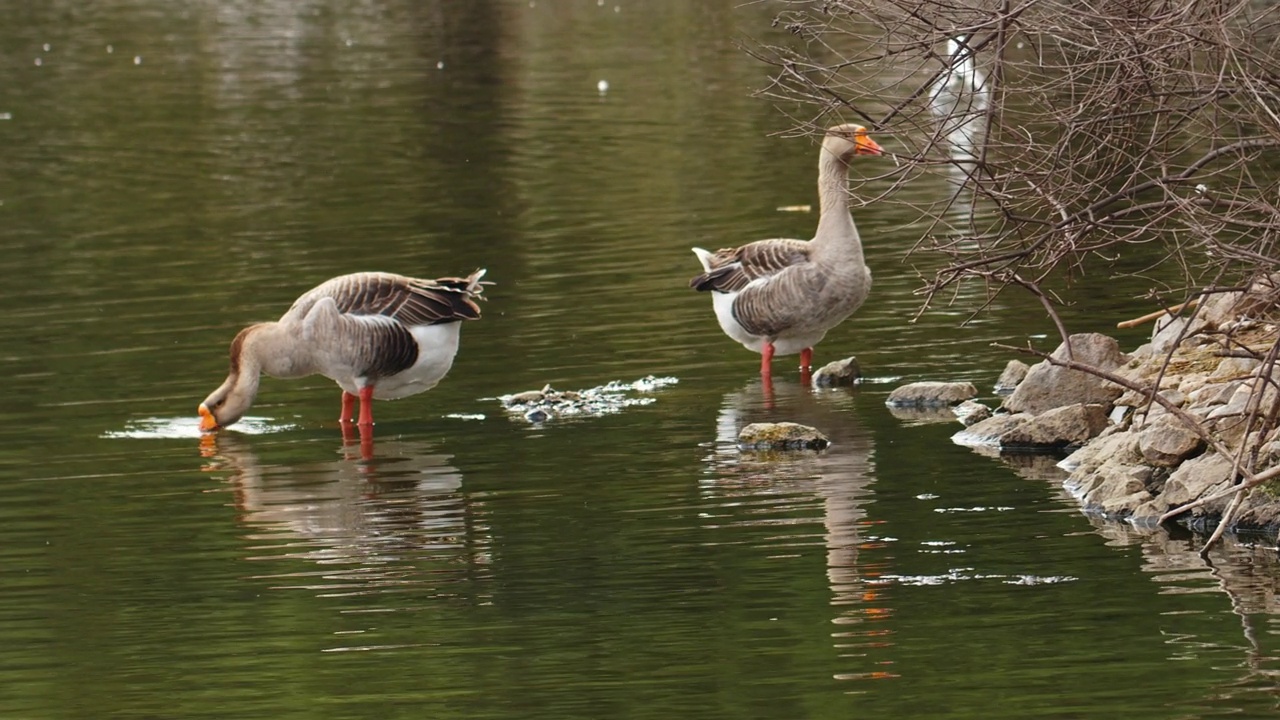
(781, 296)
(378, 335)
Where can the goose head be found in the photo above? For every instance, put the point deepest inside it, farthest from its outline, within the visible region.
(235, 395)
(846, 141)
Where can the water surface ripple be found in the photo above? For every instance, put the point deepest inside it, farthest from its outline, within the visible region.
(176, 171)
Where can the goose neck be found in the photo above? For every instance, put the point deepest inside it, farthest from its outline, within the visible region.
(272, 349)
(835, 224)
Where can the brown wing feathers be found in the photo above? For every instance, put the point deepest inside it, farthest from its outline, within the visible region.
(443, 300)
(409, 300)
(734, 268)
(397, 351)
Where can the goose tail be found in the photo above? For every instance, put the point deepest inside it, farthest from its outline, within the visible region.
(704, 257)
(472, 286)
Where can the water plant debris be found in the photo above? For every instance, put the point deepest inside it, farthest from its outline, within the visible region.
(539, 406)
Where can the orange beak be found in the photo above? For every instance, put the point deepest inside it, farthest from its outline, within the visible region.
(866, 146)
(207, 420)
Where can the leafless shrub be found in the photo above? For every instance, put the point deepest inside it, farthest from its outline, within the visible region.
(1067, 132)
(1108, 124)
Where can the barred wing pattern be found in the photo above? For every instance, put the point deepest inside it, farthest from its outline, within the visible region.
(380, 309)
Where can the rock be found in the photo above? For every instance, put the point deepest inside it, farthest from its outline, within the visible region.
(1153, 408)
(1237, 404)
(1112, 487)
(1232, 368)
(1229, 431)
(970, 412)
(1196, 478)
(1158, 410)
(1123, 505)
(1220, 308)
(1170, 330)
(1259, 510)
(1107, 484)
(1013, 373)
(1142, 473)
(1146, 461)
(1168, 443)
(1108, 478)
(781, 436)
(1262, 372)
(1145, 350)
(1262, 296)
(1192, 382)
(932, 394)
(1056, 429)
(1147, 514)
(987, 433)
(1048, 386)
(838, 373)
(1214, 393)
(1120, 447)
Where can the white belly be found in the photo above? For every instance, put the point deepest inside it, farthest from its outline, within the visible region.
(437, 345)
(784, 344)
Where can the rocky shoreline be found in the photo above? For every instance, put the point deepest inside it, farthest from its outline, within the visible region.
(1155, 430)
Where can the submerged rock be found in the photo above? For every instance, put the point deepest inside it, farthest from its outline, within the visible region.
(922, 414)
(837, 373)
(931, 394)
(781, 436)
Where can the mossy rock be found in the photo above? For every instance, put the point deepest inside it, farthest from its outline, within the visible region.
(781, 436)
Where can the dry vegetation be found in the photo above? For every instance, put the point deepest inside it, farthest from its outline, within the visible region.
(1081, 131)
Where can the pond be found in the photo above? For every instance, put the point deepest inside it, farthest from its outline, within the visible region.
(175, 171)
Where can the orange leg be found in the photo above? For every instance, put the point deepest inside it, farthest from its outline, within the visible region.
(366, 405)
(348, 404)
(806, 366)
(766, 360)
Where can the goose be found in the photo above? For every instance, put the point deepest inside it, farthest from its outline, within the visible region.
(781, 296)
(378, 335)
(959, 96)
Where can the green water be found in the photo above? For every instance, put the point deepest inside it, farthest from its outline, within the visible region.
(174, 171)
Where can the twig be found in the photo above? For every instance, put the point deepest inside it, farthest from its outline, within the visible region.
(1158, 313)
(1223, 522)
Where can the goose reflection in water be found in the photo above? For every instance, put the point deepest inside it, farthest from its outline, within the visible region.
(387, 524)
(774, 489)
